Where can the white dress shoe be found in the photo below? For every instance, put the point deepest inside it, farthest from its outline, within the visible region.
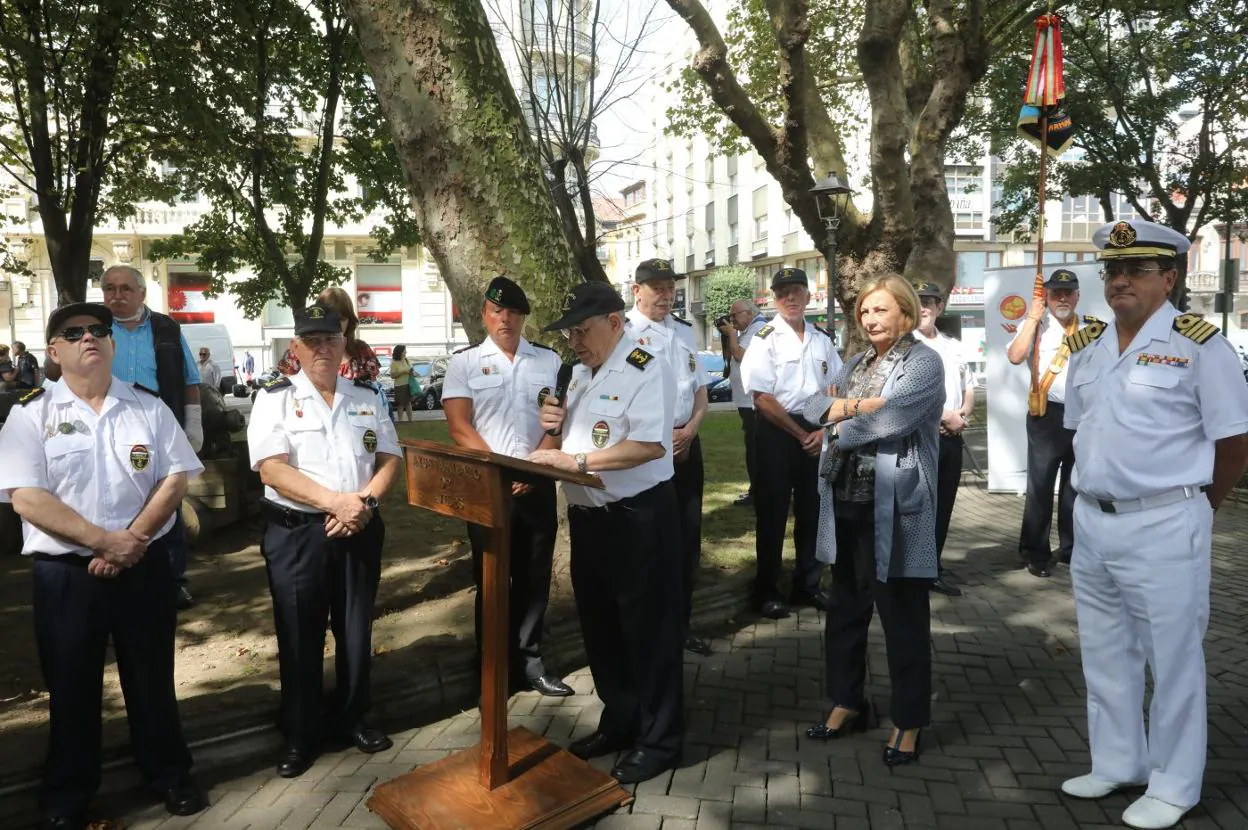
(1148, 813)
(1089, 786)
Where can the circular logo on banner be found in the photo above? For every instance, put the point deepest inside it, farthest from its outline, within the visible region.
(541, 396)
(600, 434)
(139, 457)
(1013, 307)
(370, 440)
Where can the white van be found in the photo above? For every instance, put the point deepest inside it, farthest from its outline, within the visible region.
(217, 338)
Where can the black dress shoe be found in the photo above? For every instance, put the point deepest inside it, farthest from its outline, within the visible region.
(1038, 570)
(599, 743)
(63, 823)
(1063, 558)
(697, 645)
(857, 722)
(551, 686)
(812, 599)
(370, 740)
(774, 610)
(744, 500)
(184, 799)
(640, 765)
(182, 598)
(894, 756)
(294, 761)
(941, 587)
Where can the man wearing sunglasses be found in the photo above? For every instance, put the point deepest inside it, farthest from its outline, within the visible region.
(96, 467)
(626, 553)
(1159, 406)
(327, 454)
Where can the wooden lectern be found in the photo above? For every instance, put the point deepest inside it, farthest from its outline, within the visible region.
(510, 779)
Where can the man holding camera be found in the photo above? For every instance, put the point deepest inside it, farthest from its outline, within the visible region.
(738, 328)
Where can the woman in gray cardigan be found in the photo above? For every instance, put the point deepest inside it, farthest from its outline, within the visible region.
(877, 518)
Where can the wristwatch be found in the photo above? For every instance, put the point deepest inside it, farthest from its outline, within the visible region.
(371, 502)
(582, 465)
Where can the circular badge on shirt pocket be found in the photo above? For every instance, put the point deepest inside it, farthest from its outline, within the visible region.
(693, 362)
(370, 440)
(541, 396)
(139, 457)
(825, 366)
(600, 434)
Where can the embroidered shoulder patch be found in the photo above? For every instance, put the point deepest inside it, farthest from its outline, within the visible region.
(31, 395)
(1195, 328)
(1086, 336)
(765, 330)
(143, 388)
(277, 383)
(639, 358)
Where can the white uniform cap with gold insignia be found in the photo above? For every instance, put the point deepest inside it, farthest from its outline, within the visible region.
(1139, 239)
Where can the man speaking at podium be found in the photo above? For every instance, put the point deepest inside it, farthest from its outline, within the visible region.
(626, 552)
(493, 395)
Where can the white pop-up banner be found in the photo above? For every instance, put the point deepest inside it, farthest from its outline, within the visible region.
(1007, 297)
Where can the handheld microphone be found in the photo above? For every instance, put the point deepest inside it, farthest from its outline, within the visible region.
(561, 383)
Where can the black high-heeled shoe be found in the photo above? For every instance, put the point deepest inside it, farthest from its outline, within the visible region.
(857, 722)
(895, 756)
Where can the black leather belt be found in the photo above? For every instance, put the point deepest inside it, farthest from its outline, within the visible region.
(73, 559)
(286, 517)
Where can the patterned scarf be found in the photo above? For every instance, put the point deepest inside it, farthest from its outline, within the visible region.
(852, 474)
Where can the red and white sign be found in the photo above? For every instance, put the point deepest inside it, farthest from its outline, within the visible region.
(187, 303)
(379, 303)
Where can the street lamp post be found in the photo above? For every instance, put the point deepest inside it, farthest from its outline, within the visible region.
(831, 199)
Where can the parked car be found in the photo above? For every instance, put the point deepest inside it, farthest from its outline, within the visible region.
(431, 384)
(383, 377)
(712, 363)
(719, 391)
(216, 338)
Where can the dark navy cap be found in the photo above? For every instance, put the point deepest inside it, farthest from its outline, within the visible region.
(789, 276)
(507, 294)
(316, 319)
(655, 269)
(928, 289)
(589, 299)
(97, 310)
(1062, 278)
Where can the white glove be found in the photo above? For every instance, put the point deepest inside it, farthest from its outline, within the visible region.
(194, 426)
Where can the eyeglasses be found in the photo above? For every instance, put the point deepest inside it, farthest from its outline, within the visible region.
(929, 302)
(577, 332)
(73, 334)
(1129, 270)
(315, 342)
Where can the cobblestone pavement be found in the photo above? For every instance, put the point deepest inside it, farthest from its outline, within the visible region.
(1009, 720)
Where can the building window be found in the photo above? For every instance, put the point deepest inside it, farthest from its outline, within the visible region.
(973, 221)
(760, 212)
(971, 265)
(187, 303)
(379, 294)
(963, 178)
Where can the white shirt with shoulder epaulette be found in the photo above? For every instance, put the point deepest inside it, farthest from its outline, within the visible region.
(630, 397)
(672, 339)
(506, 396)
(334, 446)
(740, 397)
(1052, 333)
(791, 369)
(102, 466)
(1146, 421)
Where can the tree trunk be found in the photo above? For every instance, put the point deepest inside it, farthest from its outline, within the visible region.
(473, 172)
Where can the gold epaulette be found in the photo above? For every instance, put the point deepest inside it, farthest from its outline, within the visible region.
(1085, 336)
(1195, 328)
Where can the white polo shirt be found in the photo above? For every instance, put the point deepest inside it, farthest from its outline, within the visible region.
(1146, 421)
(740, 397)
(334, 446)
(1051, 335)
(630, 397)
(102, 466)
(674, 342)
(957, 375)
(505, 395)
(791, 369)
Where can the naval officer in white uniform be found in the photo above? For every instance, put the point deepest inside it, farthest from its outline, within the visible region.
(1159, 406)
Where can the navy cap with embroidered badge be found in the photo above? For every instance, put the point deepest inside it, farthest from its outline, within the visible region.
(1062, 278)
(506, 293)
(928, 289)
(789, 276)
(588, 299)
(655, 269)
(97, 310)
(316, 319)
(1139, 239)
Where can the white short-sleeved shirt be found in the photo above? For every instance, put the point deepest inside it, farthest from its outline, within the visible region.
(104, 467)
(505, 395)
(335, 447)
(629, 398)
(740, 397)
(1146, 421)
(673, 341)
(957, 374)
(789, 368)
(1052, 332)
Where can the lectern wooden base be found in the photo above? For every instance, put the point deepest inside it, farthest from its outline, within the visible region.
(549, 787)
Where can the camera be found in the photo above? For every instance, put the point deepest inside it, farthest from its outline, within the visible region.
(725, 320)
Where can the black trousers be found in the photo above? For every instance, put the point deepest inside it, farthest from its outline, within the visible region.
(533, 528)
(312, 577)
(948, 478)
(905, 616)
(748, 420)
(785, 473)
(1050, 452)
(626, 575)
(689, 482)
(75, 615)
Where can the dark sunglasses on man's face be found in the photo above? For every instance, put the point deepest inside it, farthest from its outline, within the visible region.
(73, 334)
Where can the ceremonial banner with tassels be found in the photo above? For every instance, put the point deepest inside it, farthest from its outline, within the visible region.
(1046, 89)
